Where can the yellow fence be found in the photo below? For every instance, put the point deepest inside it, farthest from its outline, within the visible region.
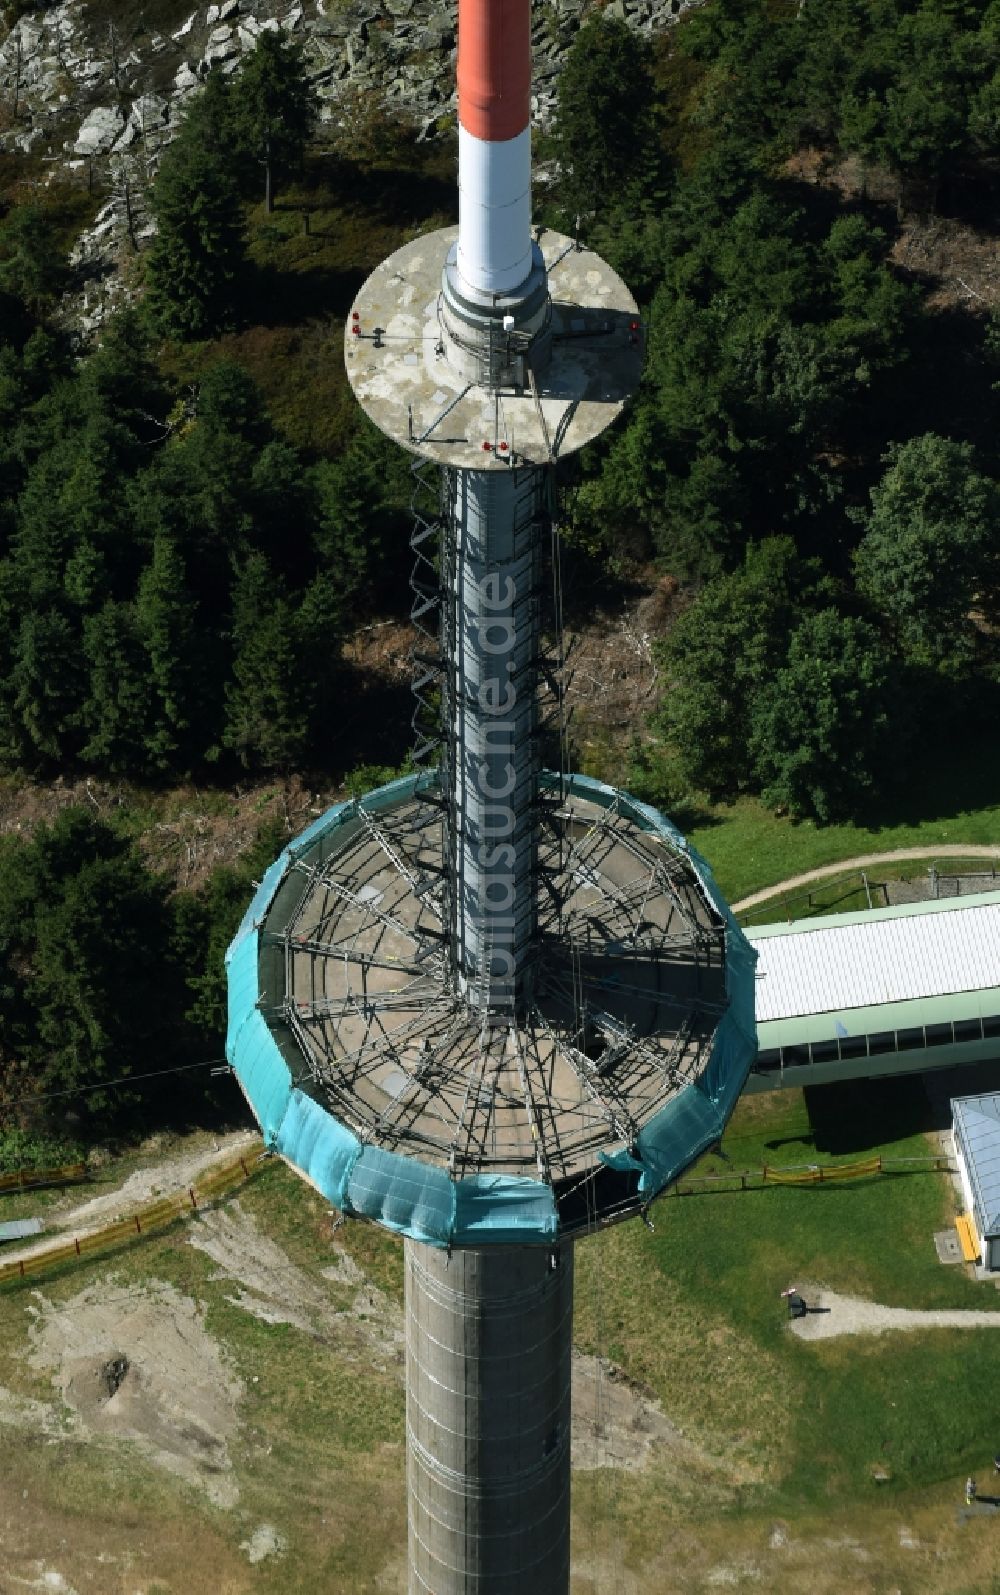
(143, 1221)
(31, 1179)
(236, 1171)
(808, 1174)
(820, 1175)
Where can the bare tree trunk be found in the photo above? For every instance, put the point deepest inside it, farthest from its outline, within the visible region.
(114, 53)
(129, 210)
(18, 73)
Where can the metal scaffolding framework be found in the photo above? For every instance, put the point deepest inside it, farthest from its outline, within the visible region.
(629, 989)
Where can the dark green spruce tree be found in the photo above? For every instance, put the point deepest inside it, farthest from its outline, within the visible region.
(83, 959)
(604, 127)
(272, 110)
(175, 663)
(267, 721)
(198, 254)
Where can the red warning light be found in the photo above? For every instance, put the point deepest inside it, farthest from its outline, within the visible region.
(355, 315)
(356, 329)
(504, 447)
(633, 326)
(487, 446)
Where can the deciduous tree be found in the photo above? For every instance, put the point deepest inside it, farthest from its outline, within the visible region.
(722, 653)
(931, 549)
(830, 727)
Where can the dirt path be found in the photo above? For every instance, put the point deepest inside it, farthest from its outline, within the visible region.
(166, 1178)
(861, 861)
(852, 1315)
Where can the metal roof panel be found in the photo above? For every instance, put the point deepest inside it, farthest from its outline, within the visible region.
(977, 1122)
(828, 965)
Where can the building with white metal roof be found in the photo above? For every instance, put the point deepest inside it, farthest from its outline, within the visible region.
(887, 991)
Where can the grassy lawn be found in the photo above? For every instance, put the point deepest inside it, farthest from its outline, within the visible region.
(105, 1174)
(847, 893)
(956, 801)
(320, 1450)
(872, 1236)
(693, 1310)
(779, 1430)
(46, 1203)
(296, 1216)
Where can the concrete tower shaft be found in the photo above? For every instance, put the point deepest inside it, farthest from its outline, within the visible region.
(489, 1353)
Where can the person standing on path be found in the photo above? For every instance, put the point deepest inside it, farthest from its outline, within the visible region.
(970, 1490)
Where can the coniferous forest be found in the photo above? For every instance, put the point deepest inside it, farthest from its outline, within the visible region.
(194, 516)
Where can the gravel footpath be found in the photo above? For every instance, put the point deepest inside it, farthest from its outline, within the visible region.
(143, 1186)
(852, 1315)
(861, 861)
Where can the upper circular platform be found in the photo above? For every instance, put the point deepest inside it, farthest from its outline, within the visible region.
(373, 1077)
(398, 368)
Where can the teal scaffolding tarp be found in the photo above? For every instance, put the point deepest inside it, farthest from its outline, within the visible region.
(418, 1199)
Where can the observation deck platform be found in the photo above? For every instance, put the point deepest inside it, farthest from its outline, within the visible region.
(397, 365)
(403, 1102)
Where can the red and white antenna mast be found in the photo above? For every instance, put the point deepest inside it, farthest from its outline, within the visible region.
(494, 144)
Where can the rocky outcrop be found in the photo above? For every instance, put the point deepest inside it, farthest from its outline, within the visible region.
(87, 98)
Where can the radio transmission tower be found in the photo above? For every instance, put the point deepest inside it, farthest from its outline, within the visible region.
(490, 1007)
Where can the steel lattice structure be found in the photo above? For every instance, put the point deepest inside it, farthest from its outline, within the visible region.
(629, 988)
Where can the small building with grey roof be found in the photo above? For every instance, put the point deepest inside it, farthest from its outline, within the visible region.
(976, 1133)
